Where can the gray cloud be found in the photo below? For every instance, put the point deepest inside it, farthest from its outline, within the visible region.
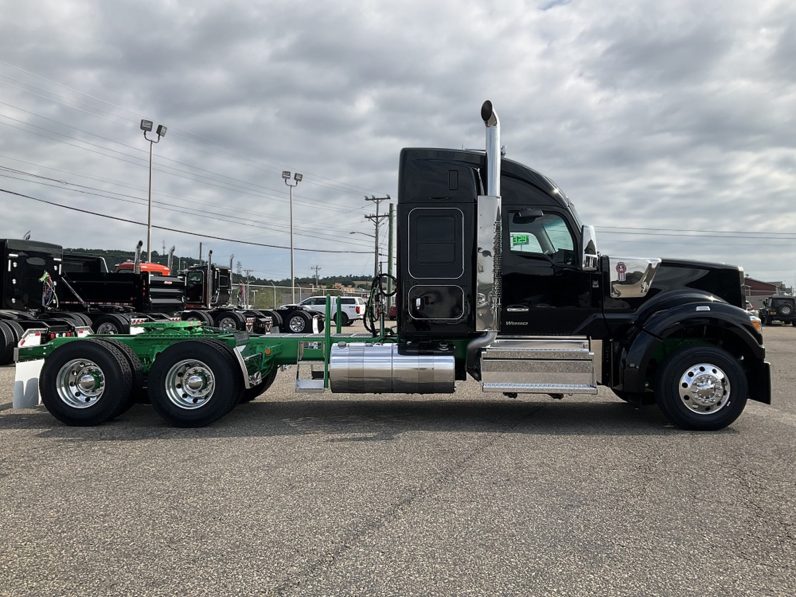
(664, 115)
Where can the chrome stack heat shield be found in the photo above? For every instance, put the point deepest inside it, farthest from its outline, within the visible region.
(378, 369)
(488, 238)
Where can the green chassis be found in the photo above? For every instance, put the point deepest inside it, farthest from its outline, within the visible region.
(259, 354)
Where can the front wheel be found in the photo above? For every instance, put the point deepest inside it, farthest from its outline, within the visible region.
(702, 388)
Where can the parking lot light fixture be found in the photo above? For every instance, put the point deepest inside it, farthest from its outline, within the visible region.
(297, 177)
(146, 126)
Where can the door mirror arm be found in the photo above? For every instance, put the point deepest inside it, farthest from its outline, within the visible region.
(590, 255)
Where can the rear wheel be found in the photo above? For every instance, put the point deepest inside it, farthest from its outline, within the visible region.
(193, 383)
(138, 385)
(7, 343)
(298, 322)
(109, 324)
(85, 382)
(200, 316)
(229, 321)
(702, 388)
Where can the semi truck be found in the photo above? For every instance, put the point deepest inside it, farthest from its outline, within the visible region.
(499, 281)
(42, 285)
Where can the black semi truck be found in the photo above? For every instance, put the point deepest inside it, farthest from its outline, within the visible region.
(42, 286)
(499, 281)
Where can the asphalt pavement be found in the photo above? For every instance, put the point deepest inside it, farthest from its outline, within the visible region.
(403, 495)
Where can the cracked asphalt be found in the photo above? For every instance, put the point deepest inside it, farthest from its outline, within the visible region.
(403, 495)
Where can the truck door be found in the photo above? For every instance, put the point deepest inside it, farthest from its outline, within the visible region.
(544, 290)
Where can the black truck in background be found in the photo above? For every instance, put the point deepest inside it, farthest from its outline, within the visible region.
(44, 287)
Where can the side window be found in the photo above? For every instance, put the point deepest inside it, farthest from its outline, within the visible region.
(546, 234)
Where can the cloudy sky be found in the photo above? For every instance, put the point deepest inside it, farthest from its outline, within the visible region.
(670, 124)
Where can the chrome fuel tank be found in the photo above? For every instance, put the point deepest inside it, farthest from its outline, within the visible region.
(378, 369)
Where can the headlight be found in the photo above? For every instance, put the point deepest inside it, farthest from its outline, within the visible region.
(756, 323)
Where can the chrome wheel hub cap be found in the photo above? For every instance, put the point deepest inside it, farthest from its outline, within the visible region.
(80, 383)
(296, 324)
(704, 389)
(227, 324)
(106, 328)
(190, 384)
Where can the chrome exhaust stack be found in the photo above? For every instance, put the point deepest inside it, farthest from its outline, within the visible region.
(209, 280)
(492, 123)
(137, 259)
(171, 258)
(488, 259)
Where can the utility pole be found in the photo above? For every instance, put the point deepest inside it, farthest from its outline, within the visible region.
(376, 219)
(317, 268)
(390, 241)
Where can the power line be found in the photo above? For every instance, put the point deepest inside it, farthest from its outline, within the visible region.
(318, 180)
(176, 230)
(188, 210)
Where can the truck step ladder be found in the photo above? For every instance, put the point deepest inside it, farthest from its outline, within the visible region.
(538, 365)
(309, 380)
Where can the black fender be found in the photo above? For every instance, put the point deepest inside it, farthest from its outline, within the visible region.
(733, 321)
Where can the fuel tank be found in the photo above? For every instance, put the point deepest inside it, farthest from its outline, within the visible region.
(379, 368)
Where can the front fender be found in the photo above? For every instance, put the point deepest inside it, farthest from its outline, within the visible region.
(733, 321)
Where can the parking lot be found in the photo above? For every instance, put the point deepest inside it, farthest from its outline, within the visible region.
(453, 494)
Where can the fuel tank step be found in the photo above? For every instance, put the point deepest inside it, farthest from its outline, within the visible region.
(539, 365)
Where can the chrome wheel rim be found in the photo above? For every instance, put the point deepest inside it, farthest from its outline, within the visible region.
(227, 324)
(107, 328)
(190, 384)
(704, 389)
(297, 324)
(80, 383)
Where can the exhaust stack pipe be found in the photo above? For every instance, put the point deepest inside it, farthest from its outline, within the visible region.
(488, 270)
(209, 280)
(137, 260)
(171, 258)
(492, 122)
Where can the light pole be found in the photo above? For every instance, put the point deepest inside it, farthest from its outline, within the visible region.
(146, 126)
(376, 251)
(297, 178)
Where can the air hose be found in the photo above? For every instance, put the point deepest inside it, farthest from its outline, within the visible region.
(374, 309)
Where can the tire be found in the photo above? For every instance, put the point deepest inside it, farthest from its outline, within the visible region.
(138, 385)
(73, 398)
(250, 394)
(345, 320)
(298, 322)
(110, 324)
(213, 371)
(84, 318)
(726, 388)
(16, 329)
(785, 310)
(229, 321)
(7, 344)
(201, 316)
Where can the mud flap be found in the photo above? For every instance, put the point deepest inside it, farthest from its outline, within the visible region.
(26, 384)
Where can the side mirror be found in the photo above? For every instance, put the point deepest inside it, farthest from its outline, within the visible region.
(590, 256)
(527, 215)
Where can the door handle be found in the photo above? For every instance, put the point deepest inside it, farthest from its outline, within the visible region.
(517, 309)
